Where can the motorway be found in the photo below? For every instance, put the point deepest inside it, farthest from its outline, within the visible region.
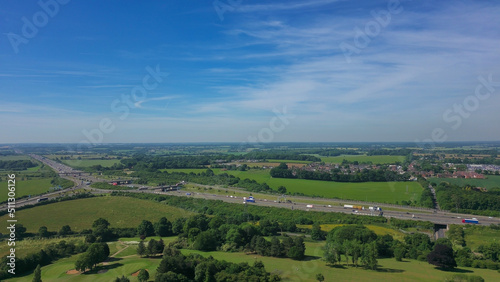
(437, 217)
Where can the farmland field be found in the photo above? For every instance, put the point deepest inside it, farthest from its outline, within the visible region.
(490, 182)
(80, 214)
(363, 158)
(388, 192)
(290, 270)
(26, 187)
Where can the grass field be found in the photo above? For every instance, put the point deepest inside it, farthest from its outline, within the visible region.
(490, 182)
(290, 270)
(363, 158)
(26, 187)
(289, 161)
(379, 230)
(14, 158)
(80, 214)
(87, 163)
(29, 246)
(388, 192)
(480, 236)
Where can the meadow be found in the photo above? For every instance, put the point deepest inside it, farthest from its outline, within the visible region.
(490, 182)
(80, 214)
(26, 187)
(476, 236)
(290, 270)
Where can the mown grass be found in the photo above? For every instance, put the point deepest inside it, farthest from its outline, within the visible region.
(80, 214)
(26, 187)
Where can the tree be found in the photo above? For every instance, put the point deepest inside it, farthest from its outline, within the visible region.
(456, 235)
(122, 279)
(369, 256)
(143, 275)
(399, 252)
(282, 190)
(100, 223)
(163, 227)
(101, 229)
(276, 247)
(146, 228)
(141, 249)
(43, 232)
(442, 256)
(38, 274)
(316, 233)
(320, 277)
(65, 230)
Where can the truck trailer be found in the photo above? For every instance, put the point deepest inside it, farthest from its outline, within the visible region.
(472, 220)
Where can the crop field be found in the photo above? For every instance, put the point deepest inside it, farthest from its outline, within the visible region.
(382, 192)
(26, 187)
(290, 270)
(363, 158)
(490, 182)
(80, 214)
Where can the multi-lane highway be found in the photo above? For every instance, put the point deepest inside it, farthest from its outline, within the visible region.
(437, 217)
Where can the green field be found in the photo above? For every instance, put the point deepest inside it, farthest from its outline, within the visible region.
(14, 158)
(475, 236)
(289, 161)
(29, 246)
(80, 214)
(363, 158)
(26, 187)
(490, 182)
(87, 163)
(185, 170)
(382, 192)
(290, 270)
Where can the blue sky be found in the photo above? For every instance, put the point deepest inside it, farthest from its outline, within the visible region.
(411, 76)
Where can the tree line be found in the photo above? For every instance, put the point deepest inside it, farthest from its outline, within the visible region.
(337, 175)
(17, 164)
(467, 199)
